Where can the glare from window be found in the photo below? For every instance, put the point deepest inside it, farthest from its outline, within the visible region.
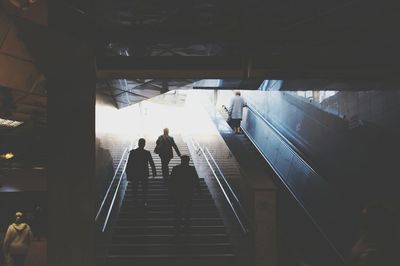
(181, 112)
(316, 96)
(208, 83)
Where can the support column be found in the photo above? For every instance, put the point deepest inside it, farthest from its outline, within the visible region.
(67, 60)
(71, 176)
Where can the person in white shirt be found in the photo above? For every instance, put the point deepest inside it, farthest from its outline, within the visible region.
(17, 241)
(236, 111)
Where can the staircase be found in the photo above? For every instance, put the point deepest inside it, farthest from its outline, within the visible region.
(147, 235)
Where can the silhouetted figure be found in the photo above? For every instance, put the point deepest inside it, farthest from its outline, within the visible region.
(379, 241)
(17, 241)
(137, 169)
(183, 181)
(235, 111)
(164, 145)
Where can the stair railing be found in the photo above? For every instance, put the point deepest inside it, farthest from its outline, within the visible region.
(238, 211)
(102, 208)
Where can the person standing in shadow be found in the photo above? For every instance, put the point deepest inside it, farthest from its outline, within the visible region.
(183, 181)
(164, 145)
(137, 169)
(17, 241)
(235, 111)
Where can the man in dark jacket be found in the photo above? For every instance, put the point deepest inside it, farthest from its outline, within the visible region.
(137, 169)
(164, 145)
(183, 181)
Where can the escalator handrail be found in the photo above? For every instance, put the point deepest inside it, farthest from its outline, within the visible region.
(109, 187)
(241, 223)
(294, 151)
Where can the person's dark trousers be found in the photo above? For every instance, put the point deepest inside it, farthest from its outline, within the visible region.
(165, 168)
(135, 185)
(18, 260)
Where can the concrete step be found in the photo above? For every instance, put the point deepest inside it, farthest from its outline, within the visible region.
(164, 196)
(178, 248)
(167, 214)
(168, 238)
(161, 184)
(168, 229)
(170, 221)
(152, 201)
(173, 260)
(206, 208)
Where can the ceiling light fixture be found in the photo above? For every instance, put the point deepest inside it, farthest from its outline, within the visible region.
(9, 123)
(7, 156)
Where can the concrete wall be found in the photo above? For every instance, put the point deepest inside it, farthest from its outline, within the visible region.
(310, 128)
(358, 161)
(381, 108)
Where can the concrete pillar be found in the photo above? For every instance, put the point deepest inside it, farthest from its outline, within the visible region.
(71, 175)
(67, 62)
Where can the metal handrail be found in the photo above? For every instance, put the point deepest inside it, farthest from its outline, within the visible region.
(113, 200)
(111, 183)
(225, 179)
(286, 142)
(243, 227)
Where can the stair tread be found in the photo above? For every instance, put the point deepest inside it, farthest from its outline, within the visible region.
(167, 235)
(169, 219)
(172, 255)
(166, 226)
(171, 244)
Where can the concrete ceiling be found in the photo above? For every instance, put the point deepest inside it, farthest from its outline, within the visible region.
(151, 43)
(123, 92)
(246, 39)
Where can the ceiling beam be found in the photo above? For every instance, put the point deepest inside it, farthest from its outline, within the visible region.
(33, 106)
(262, 67)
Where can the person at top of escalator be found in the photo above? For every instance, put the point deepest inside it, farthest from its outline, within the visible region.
(235, 111)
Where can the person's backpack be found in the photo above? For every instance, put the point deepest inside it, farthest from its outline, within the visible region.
(159, 145)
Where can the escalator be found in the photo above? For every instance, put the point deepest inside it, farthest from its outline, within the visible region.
(312, 218)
